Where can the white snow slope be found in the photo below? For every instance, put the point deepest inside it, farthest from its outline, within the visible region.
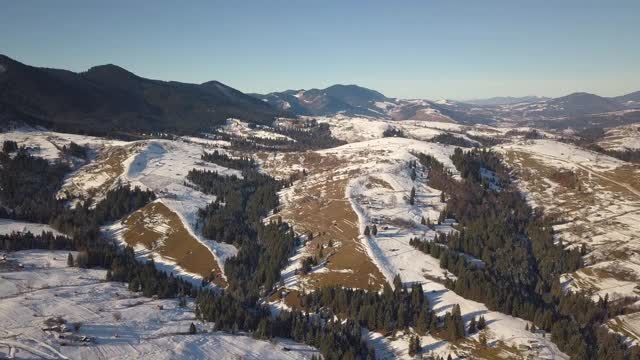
(122, 324)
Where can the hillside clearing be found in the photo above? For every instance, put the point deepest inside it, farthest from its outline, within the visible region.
(160, 230)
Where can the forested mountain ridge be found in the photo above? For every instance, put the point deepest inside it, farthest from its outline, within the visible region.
(109, 100)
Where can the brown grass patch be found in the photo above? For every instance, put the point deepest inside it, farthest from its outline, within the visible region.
(159, 229)
(499, 351)
(322, 209)
(328, 213)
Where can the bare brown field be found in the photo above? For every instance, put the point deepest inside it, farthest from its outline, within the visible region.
(321, 208)
(159, 229)
(325, 212)
(292, 298)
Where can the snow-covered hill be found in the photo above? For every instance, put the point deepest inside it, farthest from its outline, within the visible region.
(105, 320)
(373, 180)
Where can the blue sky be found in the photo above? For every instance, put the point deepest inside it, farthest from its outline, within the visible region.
(411, 49)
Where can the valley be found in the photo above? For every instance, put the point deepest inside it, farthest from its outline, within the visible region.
(333, 223)
(339, 194)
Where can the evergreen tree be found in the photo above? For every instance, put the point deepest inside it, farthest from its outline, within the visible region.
(412, 196)
(366, 230)
(192, 329)
(397, 283)
(472, 325)
(415, 347)
(374, 230)
(70, 260)
(483, 340)
(481, 323)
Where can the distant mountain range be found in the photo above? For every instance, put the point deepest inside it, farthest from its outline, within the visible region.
(110, 100)
(352, 100)
(347, 99)
(506, 100)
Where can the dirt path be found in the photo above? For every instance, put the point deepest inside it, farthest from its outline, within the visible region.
(627, 186)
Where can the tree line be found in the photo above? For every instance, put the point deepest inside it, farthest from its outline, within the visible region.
(222, 159)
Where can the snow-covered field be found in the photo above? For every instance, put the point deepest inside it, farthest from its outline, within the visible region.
(158, 165)
(354, 129)
(241, 129)
(622, 138)
(357, 129)
(48, 144)
(117, 323)
(8, 226)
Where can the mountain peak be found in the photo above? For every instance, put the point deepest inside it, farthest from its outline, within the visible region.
(348, 99)
(110, 70)
(580, 94)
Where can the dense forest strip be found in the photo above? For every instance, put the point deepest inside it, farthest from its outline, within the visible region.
(27, 184)
(522, 261)
(222, 159)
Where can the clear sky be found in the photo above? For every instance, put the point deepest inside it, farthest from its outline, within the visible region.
(410, 49)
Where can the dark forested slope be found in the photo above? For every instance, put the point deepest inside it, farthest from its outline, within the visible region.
(109, 100)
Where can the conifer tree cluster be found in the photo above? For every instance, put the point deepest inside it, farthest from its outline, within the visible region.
(391, 310)
(28, 185)
(75, 150)
(222, 159)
